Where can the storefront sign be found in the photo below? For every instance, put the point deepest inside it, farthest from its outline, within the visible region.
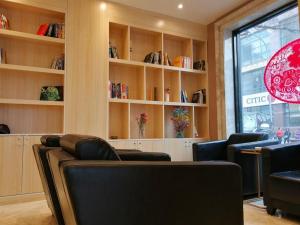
(260, 99)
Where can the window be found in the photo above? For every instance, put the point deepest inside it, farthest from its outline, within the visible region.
(254, 45)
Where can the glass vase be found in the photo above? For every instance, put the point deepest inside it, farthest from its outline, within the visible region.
(179, 134)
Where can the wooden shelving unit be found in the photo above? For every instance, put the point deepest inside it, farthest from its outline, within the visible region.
(147, 84)
(29, 57)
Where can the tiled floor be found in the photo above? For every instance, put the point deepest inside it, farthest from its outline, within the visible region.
(37, 213)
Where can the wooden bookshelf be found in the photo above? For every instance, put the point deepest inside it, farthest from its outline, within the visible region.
(147, 84)
(29, 58)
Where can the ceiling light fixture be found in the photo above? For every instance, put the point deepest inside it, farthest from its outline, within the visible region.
(180, 6)
(103, 6)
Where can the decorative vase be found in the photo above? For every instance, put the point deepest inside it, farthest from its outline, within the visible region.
(141, 132)
(179, 134)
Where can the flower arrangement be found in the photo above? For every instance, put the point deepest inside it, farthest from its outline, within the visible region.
(142, 120)
(181, 120)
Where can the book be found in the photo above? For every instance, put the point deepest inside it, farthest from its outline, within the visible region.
(119, 90)
(43, 29)
(49, 31)
(2, 56)
(58, 63)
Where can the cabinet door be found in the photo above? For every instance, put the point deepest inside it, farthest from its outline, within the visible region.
(123, 144)
(159, 146)
(31, 182)
(144, 146)
(179, 150)
(11, 151)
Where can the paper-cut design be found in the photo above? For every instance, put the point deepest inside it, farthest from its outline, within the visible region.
(282, 74)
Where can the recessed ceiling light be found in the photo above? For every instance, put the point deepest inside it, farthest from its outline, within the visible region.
(180, 6)
(103, 6)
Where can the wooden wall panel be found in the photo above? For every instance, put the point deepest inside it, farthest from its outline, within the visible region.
(57, 5)
(87, 68)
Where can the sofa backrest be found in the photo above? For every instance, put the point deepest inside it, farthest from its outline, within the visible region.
(85, 147)
(246, 137)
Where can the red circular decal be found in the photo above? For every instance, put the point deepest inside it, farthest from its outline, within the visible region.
(282, 74)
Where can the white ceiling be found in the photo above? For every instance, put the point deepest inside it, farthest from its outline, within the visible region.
(200, 11)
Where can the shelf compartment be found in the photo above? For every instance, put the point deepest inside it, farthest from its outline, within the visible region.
(169, 126)
(29, 54)
(131, 75)
(119, 38)
(192, 82)
(199, 50)
(177, 46)
(201, 122)
(172, 81)
(154, 126)
(143, 42)
(26, 85)
(154, 84)
(119, 120)
(28, 19)
(30, 69)
(30, 37)
(31, 119)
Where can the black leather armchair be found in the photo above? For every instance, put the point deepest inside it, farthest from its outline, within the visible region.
(230, 150)
(114, 192)
(52, 143)
(281, 171)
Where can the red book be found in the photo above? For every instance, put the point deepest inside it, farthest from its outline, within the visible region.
(43, 29)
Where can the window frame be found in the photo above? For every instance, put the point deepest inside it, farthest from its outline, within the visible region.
(236, 64)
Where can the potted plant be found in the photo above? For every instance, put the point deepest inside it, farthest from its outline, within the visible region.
(181, 120)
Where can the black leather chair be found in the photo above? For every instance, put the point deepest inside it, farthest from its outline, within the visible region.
(114, 192)
(281, 171)
(52, 143)
(230, 150)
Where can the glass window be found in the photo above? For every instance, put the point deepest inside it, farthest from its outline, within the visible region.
(255, 45)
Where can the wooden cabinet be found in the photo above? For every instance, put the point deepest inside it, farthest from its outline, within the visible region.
(11, 151)
(178, 149)
(31, 181)
(18, 170)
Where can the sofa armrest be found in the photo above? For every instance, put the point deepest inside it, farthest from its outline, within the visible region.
(234, 150)
(143, 156)
(279, 158)
(206, 151)
(154, 193)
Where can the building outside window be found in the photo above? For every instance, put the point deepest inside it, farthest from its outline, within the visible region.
(255, 44)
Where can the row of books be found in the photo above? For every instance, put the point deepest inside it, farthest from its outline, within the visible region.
(117, 90)
(58, 63)
(154, 58)
(2, 56)
(183, 62)
(199, 96)
(56, 30)
(113, 51)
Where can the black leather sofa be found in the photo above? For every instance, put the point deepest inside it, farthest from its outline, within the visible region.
(110, 191)
(281, 171)
(230, 150)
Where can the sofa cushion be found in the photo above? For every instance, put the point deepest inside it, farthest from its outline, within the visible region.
(88, 147)
(285, 186)
(50, 140)
(246, 137)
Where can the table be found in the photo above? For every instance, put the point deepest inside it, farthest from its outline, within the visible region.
(257, 152)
